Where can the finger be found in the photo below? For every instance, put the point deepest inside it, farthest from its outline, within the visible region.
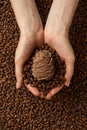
(19, 75)
(42, 95)
(69, 72)
(33, 90)
(53, 92)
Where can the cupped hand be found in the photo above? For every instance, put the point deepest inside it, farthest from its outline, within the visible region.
(56, 35)
(24, 49)
(61, 44)
(63, 47)
(31, 36)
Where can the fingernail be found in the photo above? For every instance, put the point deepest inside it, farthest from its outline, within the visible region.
(48, 97)
(67, 84)
(17, 85)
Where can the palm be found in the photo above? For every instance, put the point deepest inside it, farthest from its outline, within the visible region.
(65, 51)
(23, 53)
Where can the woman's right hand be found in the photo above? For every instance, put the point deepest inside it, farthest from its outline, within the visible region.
(31, 36)
(24, 50)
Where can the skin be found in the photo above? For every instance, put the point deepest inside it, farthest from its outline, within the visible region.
(31, 36)
(59, 19)
(55, 34)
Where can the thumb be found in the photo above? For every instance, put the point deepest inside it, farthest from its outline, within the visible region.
(19, 75)
(69, 71)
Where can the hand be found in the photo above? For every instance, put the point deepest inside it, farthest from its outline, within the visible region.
(56, 36)
(31, 36)
(63, 47)
(25, 48)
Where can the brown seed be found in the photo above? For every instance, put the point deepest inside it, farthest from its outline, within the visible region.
(49, 74)
(67, 109)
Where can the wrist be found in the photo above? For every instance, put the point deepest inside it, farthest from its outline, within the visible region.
(62, 31)
(60, 35)
(32, 35)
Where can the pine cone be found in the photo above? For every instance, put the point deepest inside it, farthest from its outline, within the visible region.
(43, 65)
